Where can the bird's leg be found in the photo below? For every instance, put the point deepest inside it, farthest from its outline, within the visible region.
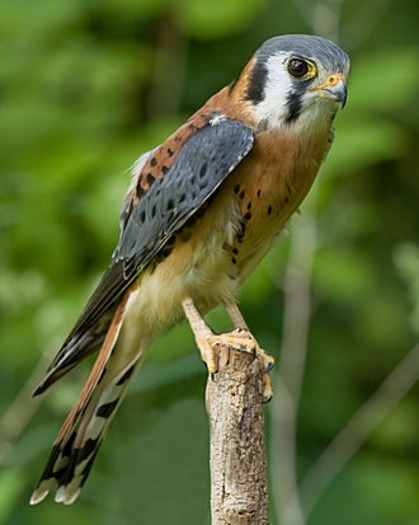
(236, 316)
(240, 339)
(202, 333)
(206, 340)
(268, 361)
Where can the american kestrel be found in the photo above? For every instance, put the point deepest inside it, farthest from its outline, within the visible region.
(202, 211)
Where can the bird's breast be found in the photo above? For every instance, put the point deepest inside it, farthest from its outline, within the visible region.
(269, 186)
(226, 239)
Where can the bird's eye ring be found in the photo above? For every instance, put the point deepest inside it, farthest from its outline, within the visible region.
(298, 67)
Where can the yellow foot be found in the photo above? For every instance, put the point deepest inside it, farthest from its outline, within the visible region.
(242, 340)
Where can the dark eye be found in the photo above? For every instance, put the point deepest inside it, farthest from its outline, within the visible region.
(297, 67)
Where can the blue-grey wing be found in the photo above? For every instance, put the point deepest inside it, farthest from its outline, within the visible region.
(204, 161)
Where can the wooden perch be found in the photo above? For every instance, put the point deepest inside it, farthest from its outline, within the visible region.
(239, 494)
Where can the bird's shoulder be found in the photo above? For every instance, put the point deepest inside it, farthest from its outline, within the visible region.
(155, 163)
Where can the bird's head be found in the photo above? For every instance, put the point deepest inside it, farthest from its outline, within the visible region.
(295, 81)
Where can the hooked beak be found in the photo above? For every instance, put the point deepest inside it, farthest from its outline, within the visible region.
(335, 88)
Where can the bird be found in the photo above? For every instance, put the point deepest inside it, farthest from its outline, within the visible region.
(201, 212)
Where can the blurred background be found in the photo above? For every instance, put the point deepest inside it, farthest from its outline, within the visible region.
(85, 87)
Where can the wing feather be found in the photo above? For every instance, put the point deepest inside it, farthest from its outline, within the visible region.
(202, 164)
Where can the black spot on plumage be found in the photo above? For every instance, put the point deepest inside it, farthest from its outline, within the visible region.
(68, 447)
(269, 209)
(170, 152)
(170, 204)
(87, 468)
(139, 191)
(49, 467)
(240, 234)
(185, 234)
(126, 375)
(235, 251)
(171, 240)
(163, 254)
(182, 197)
(258, 193)
(167, 250)
(236, 188)
(234, 260)
(87, 449)
(164, 169)
(200, 212)
(257, 81)
(242, 194)
(61, 474)
(142, 216)
(106, 409)
(249, 205)
(203, 170)
(153, 162)
(153, 211)
(150, 179)
(286, 200)
(247, 216)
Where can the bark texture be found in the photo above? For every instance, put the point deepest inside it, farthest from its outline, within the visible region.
(239, 494)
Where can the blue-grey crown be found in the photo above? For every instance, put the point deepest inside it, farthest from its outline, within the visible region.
(316, 48)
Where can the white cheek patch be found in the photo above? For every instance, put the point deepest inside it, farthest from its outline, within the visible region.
(273, 111)
(273, 108)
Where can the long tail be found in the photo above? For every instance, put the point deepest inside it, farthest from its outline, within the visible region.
(83, 431)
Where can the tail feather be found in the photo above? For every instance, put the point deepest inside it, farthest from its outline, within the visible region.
(83, 431)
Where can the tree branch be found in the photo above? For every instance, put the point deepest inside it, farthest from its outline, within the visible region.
(239, 494)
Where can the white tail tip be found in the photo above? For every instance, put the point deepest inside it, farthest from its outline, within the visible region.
(65, 494)
(40, 493)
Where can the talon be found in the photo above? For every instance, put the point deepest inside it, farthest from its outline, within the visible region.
(269, 367)
(211, 363)
(267, 400)
(267, 393)
(269, 364)
(267, 359)
(208, 355)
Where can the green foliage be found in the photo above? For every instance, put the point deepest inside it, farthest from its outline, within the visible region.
(85, 88)
(204, 20)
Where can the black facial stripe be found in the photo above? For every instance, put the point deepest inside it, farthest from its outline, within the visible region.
(256, 90)
(294, 105)
(294, 99)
